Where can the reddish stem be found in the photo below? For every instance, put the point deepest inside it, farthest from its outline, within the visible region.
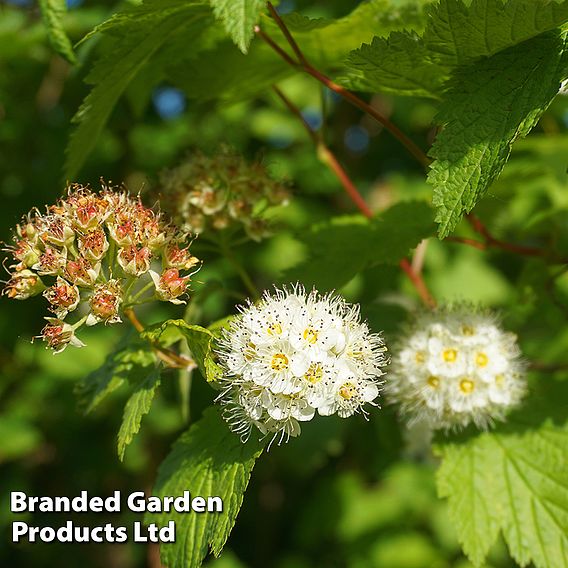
(169, 357)
(491, 241)
(465, 241)
(306, 66)
(418, 282)
(330, 160)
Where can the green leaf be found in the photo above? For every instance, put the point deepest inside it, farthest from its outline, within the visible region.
(239, 18)
(199, 340)
(398, 230)
(136, 407)
(297, 22)
(129, 363)
(132, 40)
(225, 74)
(208, 460)
(459, 33)
(354, 243)
(400, 64)
(52, 12)
(489, 105)
(512, 480)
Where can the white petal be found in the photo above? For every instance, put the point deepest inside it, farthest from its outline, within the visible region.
(91, 320)
(303, 412)
(327, 409)
(370, 391)
(299, 364)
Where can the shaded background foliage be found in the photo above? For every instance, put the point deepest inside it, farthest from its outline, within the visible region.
(346, 493)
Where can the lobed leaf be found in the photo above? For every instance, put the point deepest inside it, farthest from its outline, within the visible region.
(199, 340)
(488, 106)
(239, 18)
(132, 40)
(208, 460)
(128, 363)
(344, 246)
(458, 33)
(223, 73)
(512, 480)
(400, 64)
(52, 12)
(136, 407)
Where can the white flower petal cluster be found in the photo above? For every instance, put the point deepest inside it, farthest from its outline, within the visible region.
(456, 366)
(295, 353)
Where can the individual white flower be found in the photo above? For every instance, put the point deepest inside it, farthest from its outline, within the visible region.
(456, 366)
(294, 354)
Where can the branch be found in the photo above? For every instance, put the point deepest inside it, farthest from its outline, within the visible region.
(489, 241)
(330, 160)
(303, 64)
(548, 367)
(168, 356)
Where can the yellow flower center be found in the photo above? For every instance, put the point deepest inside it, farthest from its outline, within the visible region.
(314, 374)
(310, 335)
(279, 362)
(467, 386)
(274, 329)
(468, 330)
(481, 359)
(420, 357)
(433, 381)
(449, 355)
(499, 379)
(347, 391)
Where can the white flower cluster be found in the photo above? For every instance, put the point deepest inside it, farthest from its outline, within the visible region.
(294, 353)
(455, 366)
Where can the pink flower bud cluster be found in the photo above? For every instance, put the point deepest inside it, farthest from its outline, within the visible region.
(205, 194)
(92, 255)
